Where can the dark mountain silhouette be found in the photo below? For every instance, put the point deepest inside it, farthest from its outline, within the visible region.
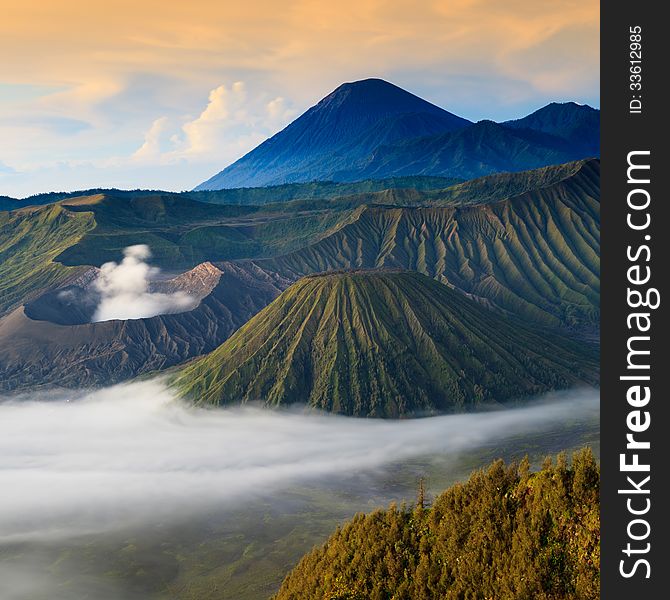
(372, 129)
(347, 124)
(480, 149)
(579, 124)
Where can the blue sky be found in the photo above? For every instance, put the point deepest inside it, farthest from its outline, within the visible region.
(92, 98)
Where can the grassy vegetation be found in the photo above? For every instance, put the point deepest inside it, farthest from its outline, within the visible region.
(507, 534)
(536, 255)
(383, 345)
(30, 239)
(183, 233)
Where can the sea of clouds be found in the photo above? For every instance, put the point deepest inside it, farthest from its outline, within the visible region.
(85, 463)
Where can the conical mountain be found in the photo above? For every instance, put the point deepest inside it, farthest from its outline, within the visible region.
(383, 344)
(372, 129)
(344, 126)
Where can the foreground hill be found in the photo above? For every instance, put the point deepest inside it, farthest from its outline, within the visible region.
(505, 534)
(383, 345)
(372, 129)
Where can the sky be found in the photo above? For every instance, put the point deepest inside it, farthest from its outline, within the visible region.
(163, 94)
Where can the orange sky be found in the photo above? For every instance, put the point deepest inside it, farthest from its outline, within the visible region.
(147, 92)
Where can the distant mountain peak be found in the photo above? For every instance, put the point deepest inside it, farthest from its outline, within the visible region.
(342, 136)
(568, 107)
(379, 94)
(576, 123)
(334, 128)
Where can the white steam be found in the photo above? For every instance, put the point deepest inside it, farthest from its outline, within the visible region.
(124, 289)
(125, 454)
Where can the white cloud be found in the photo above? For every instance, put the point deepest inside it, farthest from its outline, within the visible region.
(278, 110)
(151, 147)
(178, 150)
(124, 289)
(233, 122)
(127, 454)
(226, 109)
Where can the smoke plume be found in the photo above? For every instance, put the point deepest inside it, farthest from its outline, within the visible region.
(124, 289)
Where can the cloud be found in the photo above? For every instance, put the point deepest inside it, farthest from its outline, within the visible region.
(233, 122)
(151, 148)
(478, 58)
(226, 109)
(124, 289)
(121, 456)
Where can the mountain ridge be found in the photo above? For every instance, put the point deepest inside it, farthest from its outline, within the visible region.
(535, 254)
(577, 123)
(374, 129)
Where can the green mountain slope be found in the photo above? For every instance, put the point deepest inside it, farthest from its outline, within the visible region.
(183, 233)
(383, 345)
(534, 255)
(507, 185)
(30, 239)
(257, 196)
(505, 534)
(532, 250)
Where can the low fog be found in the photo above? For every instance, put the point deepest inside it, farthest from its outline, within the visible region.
(124, 289)
(114, 457)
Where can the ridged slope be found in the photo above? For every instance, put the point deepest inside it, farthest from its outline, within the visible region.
(30, 240)
(382, 345)
(534, 255)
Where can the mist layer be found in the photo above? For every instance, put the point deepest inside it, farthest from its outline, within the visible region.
(118, 456)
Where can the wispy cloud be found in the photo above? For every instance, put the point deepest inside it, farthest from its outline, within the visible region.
(151, 148)
(233, 122)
